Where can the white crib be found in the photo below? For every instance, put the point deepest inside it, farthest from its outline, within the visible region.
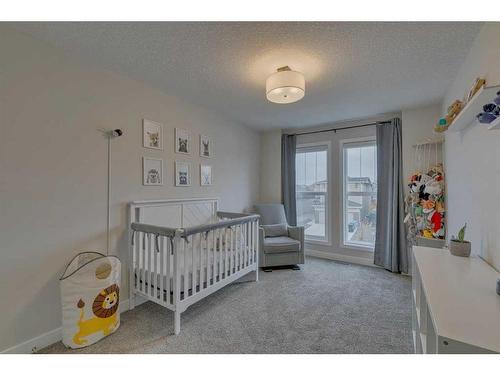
(183, 250)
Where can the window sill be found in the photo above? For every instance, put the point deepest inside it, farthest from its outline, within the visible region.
(368, 249)
(318, 242)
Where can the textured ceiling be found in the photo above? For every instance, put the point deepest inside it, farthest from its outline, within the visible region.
(352, 70)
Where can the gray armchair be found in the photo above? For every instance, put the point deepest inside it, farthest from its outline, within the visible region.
(279, 243)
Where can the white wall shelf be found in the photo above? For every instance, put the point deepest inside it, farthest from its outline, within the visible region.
(494, 125)
(467, 115)
(455, 305)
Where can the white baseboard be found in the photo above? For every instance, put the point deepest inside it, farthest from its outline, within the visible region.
(51, 337)
(36, 343)
(341, 257)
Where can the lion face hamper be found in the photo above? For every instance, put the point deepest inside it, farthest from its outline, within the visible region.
(90, 298)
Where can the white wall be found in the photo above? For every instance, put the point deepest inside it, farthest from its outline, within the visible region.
(270, 167)
(472, 156)
(53, 170)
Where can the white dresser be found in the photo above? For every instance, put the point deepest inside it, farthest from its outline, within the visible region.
(455, 305)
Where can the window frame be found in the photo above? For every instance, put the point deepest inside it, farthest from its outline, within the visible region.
(353, 142)
(320, 146)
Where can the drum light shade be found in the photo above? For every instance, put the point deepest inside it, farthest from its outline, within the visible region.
(285, 86)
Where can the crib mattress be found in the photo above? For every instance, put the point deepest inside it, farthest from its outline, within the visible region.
(216, 261)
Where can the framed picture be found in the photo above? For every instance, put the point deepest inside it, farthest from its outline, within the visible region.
(182, 173)
(152, 135)
(205, 175)
(182, 141)
(205, 146)
(152, 171)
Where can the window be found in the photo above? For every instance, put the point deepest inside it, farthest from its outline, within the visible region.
(312, 191)
(360, 194)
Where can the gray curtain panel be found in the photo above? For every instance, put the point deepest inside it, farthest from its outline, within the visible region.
(288, 151)
(390, 243)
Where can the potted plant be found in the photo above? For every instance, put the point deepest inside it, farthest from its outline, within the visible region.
(458, 246)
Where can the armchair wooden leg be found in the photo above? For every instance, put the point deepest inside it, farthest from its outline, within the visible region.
(295, 267)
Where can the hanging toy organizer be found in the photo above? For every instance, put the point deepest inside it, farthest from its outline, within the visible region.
(90, 297)
(425, 201)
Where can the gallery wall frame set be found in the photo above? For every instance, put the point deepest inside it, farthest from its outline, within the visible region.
(153, 168)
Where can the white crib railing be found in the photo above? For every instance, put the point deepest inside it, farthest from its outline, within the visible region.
(176, 267)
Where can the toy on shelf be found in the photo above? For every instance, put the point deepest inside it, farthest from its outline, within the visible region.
(453, 111)
(490, 113)
(480, 82)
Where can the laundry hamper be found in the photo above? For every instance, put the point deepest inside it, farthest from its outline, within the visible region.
(90, 297)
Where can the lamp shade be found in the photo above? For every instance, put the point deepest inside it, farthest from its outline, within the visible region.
(285, 86)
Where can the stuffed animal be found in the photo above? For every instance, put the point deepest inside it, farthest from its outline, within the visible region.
(436, 221)
(433, 188)
(428, 205)
(427, 233)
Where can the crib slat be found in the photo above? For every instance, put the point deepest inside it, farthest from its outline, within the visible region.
(254, 245)
(218, 255)
(142, 250)
(157, 275)
(236, 250)
(176, 268)
(146, 264)
(193, 266)
(225, 253)
(213, 254)
(151, 264)
(241, 239)
(207, 260)
(230, 253)
(245, 245)
(202, 268)
(185, 268)
(137, 266)
(154, 268)
(168, 275)
(252, 239)
(250, 232)
(160, 273)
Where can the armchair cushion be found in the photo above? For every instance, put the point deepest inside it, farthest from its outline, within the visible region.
(275, 230)
(282, 244)
(271, 214)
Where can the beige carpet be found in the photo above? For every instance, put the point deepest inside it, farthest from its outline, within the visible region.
(327, 307)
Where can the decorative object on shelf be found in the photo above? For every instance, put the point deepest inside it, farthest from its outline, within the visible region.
(152, 171)
(285, 86)
(458, 245)
(205, 146)
(453, 111)
(182, 141)
(490, 113)
(497, 99)
(152, 135)
(182, 174)
(205, 175)
(478, 84)
(441, 126)
(424, 203)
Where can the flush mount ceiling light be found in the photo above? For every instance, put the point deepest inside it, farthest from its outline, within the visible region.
(285, 86)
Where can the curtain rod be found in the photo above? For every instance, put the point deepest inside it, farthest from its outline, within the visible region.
(345, 127)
